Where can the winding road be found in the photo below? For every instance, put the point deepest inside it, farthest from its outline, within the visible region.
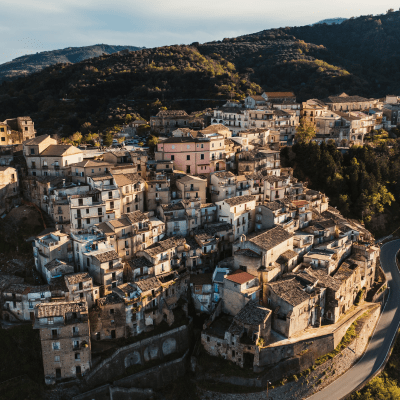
(382, 338)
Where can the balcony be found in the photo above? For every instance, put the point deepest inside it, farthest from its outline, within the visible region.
(56, 167)
(45, 167)
(192, 189)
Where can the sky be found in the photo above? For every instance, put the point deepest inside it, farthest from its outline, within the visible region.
(30, 26)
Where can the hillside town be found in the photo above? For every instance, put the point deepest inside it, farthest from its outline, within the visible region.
(207, 223)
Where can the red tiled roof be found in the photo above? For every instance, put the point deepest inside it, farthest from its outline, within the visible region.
(279, 94)
(240, 277)
(299, 203)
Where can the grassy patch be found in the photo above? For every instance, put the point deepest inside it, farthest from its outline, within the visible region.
(346, 340)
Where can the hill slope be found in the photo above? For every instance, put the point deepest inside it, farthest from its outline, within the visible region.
(27, 64)
(359, 56)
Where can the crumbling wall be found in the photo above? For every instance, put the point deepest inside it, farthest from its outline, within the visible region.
(152, 348)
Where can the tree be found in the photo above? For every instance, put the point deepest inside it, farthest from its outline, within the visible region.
(121, 139)
(76, 138)
(153, 141)
(107, 139)
(305, 132)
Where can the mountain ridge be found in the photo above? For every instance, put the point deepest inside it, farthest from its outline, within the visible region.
(29, 63)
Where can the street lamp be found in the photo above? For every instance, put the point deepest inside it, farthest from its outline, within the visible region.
(268, 383)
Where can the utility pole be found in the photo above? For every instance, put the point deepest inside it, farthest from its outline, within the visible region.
(268, 383)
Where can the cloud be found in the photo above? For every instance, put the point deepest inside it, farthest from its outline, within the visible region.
(37, 25)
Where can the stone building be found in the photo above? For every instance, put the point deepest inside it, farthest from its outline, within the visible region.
(20, 299)
(157, 191)
(131, 191)
(51, 246)
(105, 267)
(44, 157)
(167, 121)
(88, 167)
(238, 211)
(202, 291)
(236, 339)
(108, 318)
(65, 338)
(56, 268)
(258, 160)
(344, 102)
(80, 288)
(15, 131)
(296, 303)
(240, 287)
(9, 188)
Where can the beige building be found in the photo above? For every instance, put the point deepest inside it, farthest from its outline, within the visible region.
(346, 103)
(240, 287)
(157, 191)
(51, 246)
(190, 187)
(65, 338)
(44, 157)
(167, 121)
(132, 191)
(238, 211)
(9, 188)
(16, 131)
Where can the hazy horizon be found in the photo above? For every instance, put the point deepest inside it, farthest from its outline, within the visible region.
(29, 27)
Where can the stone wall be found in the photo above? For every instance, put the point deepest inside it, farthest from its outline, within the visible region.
(157, 377)
(155, 347)
(109, 392)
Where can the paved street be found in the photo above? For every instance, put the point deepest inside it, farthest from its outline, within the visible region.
(382, 338)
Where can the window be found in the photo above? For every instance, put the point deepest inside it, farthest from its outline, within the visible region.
(110, 196)
(201, 156)
(32, 151)
(56, 345)
(188, 157)
(57, 359)
(127, 253)
(188, 146)
(87, 211)
(111, 311)
(50, 320)
(80, 202)
(76, 344)
(88, 221)
(77, 356)
(92, 171)
(110, 264)
(3, 139)
(173, 147)
(1, 129)
(30, 304)
(172, 157)
(75, 330)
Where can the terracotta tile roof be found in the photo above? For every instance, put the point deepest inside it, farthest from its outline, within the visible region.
(57, 150)
(59, 309)
(290, 291)
(201, 279)
(252, 314)
(127, 179)
(148, 284)
(35, 141)
(279, 94)
(247, 253)
(78, 277)
(106, 256)
(140, 262)
(271, 238)
(240, 277)
(299, 203)
(136, 216)
(234, 201)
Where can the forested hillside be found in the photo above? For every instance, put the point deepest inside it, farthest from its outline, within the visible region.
(362, 183)
(359, 56)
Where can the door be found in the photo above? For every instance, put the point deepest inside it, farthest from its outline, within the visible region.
(78, 370)
(32, 316)
(113, 334)
(58, 373)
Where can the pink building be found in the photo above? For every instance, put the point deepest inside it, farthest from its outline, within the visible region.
(194, 155)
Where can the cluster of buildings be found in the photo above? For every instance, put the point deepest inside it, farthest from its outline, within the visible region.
(211, 218)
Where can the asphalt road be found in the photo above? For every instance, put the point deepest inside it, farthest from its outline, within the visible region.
(382, 338)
